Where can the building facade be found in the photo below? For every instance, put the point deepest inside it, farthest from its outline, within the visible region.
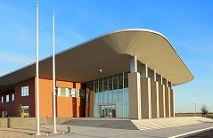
(124, 74)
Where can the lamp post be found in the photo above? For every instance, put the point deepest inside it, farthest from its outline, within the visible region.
(195, 109)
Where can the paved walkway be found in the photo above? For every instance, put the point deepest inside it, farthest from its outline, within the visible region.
(153, 128)
(146, 124)
(96, 132)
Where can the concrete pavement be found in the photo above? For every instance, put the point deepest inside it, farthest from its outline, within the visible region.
(97, 132)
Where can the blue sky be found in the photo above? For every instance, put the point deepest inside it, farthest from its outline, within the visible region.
(187, 24)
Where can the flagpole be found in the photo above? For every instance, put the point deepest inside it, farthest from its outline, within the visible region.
(37, 76)
(53, 47)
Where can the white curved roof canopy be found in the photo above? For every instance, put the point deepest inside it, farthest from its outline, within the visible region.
(111, 53)
(152, 48)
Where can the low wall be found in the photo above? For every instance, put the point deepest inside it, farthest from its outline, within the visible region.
(17, 122)
(3, 122)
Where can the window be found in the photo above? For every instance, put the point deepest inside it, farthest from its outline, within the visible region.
(125, 80)
(111, 92)
(73, 92)
(77, 92)
(87, 97)
(82, 93)
(2, 99)
(120, 77)
(25, 108)
(7, 98)
(58, 91)
(13, 97)
(24, 111)
(63, 91)
(25, 91)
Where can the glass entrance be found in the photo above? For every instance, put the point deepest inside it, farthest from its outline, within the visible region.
(108, 110)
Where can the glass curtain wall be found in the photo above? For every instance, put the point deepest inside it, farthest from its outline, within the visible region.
(108, 97)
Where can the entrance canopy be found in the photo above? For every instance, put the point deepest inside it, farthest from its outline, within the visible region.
(111, 54)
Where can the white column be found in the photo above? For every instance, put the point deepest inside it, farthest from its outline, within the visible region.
(169, 106)
(167, 83)
(149, 98)
(155, 75)
(134, 90)
(134, 95)
(133, 64)
(146, 71)
(174, 102)
(167, 99)
(161, 80)
(169, 86)
(162, 98)
(139, 95)
(164, 107)
(146, 107)
(157, 96)
(123, 97)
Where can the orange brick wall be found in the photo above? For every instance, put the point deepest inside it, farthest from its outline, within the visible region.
(77, 85)
(77, 104)
(68, 84)
(45, 97)
(64, 84)
(64, 106)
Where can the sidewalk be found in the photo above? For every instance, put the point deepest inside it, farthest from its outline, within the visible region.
(97, 132)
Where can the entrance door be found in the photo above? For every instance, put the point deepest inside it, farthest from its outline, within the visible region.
(108, 110)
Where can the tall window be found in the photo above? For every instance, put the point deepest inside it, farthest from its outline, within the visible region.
(108, 97)
(13, 96)
(7, 98)
(25, 91)
(63, 91)
(70, 92)
(73, 92)
(2, 99)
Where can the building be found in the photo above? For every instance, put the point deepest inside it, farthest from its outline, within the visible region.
(127, 74)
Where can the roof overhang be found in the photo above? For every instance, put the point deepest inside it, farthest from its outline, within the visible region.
(111, 53)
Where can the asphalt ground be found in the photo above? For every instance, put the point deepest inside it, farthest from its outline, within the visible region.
(205, 134)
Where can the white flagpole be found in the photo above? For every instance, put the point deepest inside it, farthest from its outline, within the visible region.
(53, 46)
(37, 76)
